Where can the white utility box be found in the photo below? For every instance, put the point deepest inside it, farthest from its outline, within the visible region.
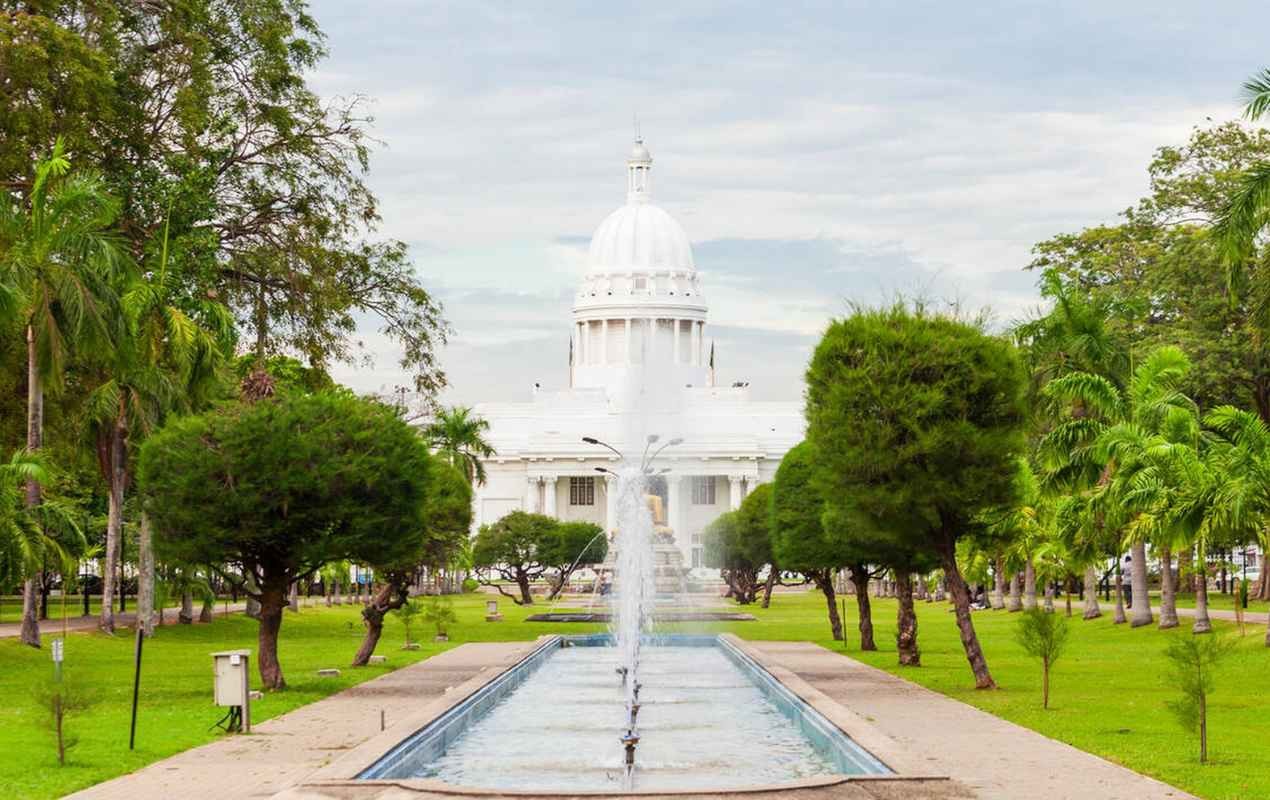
(232, 685)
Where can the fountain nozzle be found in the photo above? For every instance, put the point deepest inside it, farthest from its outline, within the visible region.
(629, 741)
(634, 713)
(621, 671)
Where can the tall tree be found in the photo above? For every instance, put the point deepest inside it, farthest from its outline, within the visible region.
(166, 360)
(275, 489)
(58, 258)
(917, 422)
(798, 533)
(458, 436)
(200, 111)
(1247, 212)
(447, 516)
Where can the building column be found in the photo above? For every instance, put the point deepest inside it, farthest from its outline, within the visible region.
(604, 342)
(694, 349)
(750, 485)
(674, 514)
(734, 492)
(674, 335)
(701, 343)
(477, 521)
(626, 342)
(531, 494)
(549, 494)
(610, 502)
(651, 350)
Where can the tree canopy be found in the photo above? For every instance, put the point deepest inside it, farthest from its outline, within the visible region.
(279, 487)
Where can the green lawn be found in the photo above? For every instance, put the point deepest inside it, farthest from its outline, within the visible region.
(1108, 693)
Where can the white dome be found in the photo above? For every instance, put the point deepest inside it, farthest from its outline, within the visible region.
(639, 236)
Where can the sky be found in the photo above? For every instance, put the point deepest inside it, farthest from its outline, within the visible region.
(819, 155)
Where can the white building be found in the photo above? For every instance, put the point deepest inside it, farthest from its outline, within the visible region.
(640, 363)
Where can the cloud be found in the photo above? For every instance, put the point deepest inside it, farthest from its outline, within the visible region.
(817, 154)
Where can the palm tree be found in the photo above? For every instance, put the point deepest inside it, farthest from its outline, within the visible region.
(1108, 433)
(57, 262)
(32, 537)
(1240, 459)
(167, 361)
(458, 436)
(1247, 212)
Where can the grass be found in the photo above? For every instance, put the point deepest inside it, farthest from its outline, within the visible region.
(1108, 694)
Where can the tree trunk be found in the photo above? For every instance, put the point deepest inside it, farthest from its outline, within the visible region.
(824, 581)
(1045, 683)
(252, 591)
(1120, 617)
(273, 598)
(772, 575)
(30, 633)
(526, 598)
(335, 591)
(1263, 583)
(389, 597)
(145, 576)
(1141, 596)
(186, 615)
(1029, 587)
(205, 614)
(961, 602)
(998, 591)
(906, 619)
(1092, 611)
(1202, 623)
(1015, 602)
(1049, 599)
(114, 525)
(860, 579)
(1168, 590)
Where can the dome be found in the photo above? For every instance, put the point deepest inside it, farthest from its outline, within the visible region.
(639, 236)
(640, 153)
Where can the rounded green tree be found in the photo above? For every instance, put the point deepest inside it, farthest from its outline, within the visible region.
(916, 421)
(278, 488)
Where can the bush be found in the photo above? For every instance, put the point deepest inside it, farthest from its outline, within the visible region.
(470, 585)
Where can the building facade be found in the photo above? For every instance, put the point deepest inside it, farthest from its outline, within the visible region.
(641, 365)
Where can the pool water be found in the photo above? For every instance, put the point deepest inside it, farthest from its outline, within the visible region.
(704, 722)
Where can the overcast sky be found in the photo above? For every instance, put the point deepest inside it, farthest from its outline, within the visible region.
(833, 153)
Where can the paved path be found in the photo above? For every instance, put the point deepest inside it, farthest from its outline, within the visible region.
(996, 758)
(282, 751)
(78, 624)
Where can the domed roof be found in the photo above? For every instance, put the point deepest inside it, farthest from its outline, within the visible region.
(639, 236)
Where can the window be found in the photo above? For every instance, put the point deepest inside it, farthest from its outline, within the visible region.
(703, 490)
(582, 491)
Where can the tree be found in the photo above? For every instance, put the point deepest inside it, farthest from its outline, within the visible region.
(275, 489)
(799, 538)
(1042, 636)
(57, 261)
(408, 612)
(439, 612)
(518, 548)
(201, 111)
(165, 360)
(1244, 215)
(917, 422)
(447, 516)
(573, 544)
(1193, 660)
(458, 436)
(739, 544)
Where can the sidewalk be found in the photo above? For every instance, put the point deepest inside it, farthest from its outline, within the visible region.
(77, 624)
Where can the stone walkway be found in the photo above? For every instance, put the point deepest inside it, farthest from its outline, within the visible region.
(985, 757)
(996, 758)
(79, 624)
(280, 752)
